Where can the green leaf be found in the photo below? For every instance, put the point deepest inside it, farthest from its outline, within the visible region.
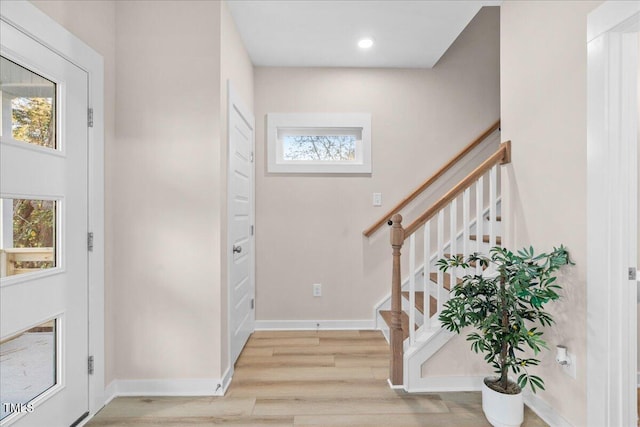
(525, 283)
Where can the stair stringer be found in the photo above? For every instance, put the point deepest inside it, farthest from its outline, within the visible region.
(426, 346)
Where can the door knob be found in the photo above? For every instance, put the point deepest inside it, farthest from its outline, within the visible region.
(237, 249)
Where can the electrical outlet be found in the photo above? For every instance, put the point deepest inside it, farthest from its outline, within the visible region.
(570, 368)
(377, 199)
(317, 290)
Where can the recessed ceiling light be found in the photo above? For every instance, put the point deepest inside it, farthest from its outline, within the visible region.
(365, 43)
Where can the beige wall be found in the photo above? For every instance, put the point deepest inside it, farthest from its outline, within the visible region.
(543, 104)
(172, 127)
(94, 23)
(309, 228)
(166, 173)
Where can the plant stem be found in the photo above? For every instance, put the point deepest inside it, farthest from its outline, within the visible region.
(505, 330)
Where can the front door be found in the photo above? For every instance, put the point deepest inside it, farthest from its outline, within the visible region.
(240, 226)
(43, 235)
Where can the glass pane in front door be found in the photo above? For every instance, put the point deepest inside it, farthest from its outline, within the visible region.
(27, 236)
(27, 367)
(28, 105)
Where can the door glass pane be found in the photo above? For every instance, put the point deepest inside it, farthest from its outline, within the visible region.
(27, 367)
(27, 236)
(28, 106)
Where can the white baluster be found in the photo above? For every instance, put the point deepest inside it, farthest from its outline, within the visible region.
(440, 255)
(492, 205)
(426, 270)
(466, 197)
(412, 288)
(479, 219)
(453, 236)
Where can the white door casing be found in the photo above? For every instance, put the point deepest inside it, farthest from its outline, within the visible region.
(240, 227)
(612, 45)
(61, 293)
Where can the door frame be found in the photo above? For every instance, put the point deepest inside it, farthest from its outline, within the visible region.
(234, 101)
(612, 45)
(30, 20)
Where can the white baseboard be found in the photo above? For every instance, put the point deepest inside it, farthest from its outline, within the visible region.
(445, 384)
(226, 381)
(312, 325)
(545, 411)
(394, 387)
(110, 392)
(169, 387)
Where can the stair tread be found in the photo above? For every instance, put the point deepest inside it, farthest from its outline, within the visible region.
(446, 280)
(433, 302)
(485, 238)
(404, 318)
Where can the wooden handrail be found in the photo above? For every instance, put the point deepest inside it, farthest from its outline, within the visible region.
(415, 193)
(502, 156)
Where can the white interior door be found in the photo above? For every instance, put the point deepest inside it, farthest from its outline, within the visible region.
(612, 46)
(43, 252)
(240, 234)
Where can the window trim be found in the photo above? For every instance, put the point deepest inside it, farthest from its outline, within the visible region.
(323, 122)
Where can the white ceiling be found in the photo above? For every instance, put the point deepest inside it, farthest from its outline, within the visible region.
(317, 33)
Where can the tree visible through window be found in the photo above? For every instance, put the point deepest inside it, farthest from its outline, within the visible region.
(33, 223)
(319, 143)
(319, 147)
(33, 121)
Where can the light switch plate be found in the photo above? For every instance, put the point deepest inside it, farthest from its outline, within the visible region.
(317, 290)
(377, 199)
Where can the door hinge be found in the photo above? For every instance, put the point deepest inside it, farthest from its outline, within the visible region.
(251, 157)
(253, 303)
(90, 241)
(632, 273)
(251, 230)
(90, 117)
(90, 365)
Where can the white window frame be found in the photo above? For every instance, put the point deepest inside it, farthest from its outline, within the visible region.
(318, 124)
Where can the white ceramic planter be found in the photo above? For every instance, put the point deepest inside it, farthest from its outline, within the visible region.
(502, 410)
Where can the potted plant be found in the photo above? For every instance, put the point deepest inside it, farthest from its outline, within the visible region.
(505, 305)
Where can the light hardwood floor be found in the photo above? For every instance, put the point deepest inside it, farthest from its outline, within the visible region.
(325, 378)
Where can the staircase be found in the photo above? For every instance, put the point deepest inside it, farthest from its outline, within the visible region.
(465, 220)
(384, 312)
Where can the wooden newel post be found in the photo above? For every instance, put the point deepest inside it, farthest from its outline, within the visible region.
(397, 239)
